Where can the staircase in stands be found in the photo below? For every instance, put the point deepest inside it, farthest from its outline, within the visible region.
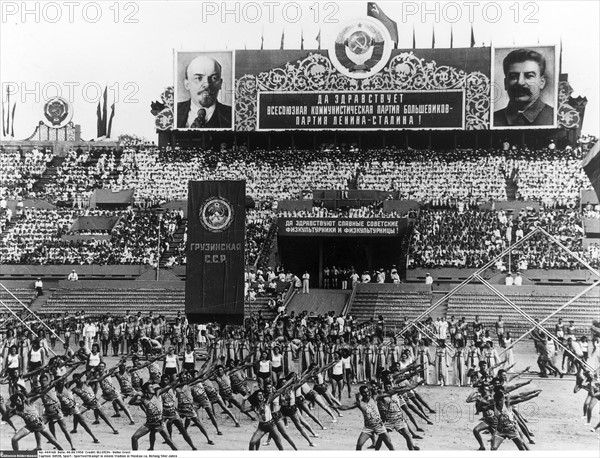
(49, 174)
(175, 244)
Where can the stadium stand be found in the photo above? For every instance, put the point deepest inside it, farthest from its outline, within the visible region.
(536, 301)
(393, 302)
(96, 303)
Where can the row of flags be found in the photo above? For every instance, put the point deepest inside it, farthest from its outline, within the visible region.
(104, 127)
(374, 11)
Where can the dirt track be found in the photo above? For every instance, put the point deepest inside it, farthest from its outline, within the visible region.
(555, 417)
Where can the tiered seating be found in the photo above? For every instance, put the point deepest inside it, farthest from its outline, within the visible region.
(393, 302)
(116, 302)
(20, 169)
(538, 302)
(260, 304)
(26, 296)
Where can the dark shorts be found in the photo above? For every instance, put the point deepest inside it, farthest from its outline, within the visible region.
(266, 426)
(36, 365)
(170, 371)
(277, 370)
(188, 367)
(156, 427)
(337, 377)
(311, 395)
(12, 372)
(289, 411)
(320, 388)
(36, 428)
(264, 375)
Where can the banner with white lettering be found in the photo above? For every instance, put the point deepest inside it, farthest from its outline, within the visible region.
(214, 289)
(379, 110)
(342, 227)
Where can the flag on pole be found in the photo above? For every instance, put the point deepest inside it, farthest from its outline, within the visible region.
(6, 122)
(560, 58)
(282, 39)
(110, 121)
(375, 12)
(451, 36)
(433, 37)
(591, 165)
(472, 37)
(319, 39)
(98, 120)
(105, 111)
(12, 121)
(414, 38)
(262, 39)
(301, 38)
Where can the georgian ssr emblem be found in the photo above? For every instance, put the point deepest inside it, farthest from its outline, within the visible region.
(216, 214)
(361, 48)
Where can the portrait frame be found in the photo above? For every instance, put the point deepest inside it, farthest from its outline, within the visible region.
(226, 97)
(549, 94)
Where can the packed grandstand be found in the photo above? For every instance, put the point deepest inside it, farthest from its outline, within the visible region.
(452, 229)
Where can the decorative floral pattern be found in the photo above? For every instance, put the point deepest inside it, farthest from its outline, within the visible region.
(568, 117)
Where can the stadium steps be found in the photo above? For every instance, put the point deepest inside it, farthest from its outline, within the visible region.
(538, 304)
(9, 226)
(99, 302)
(49, 174)
(175, 244)
(268, 248)
(261, 304)
(26, 296)
(41, 301)
(511, 190)
(393, 301)
(442, 309)
(320, 301)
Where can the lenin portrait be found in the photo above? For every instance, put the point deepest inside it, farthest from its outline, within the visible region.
(524, 87)
(204, 90)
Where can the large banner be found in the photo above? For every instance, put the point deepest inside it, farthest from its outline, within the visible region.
(342, 227)
(214, 289)
(379, 110)
(415, 89)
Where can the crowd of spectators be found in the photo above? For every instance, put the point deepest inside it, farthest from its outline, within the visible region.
(450, 238)
(81, 173)
(258, 225)
(36, 238)
(450, 233)
(368, 211)
(20, 169)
